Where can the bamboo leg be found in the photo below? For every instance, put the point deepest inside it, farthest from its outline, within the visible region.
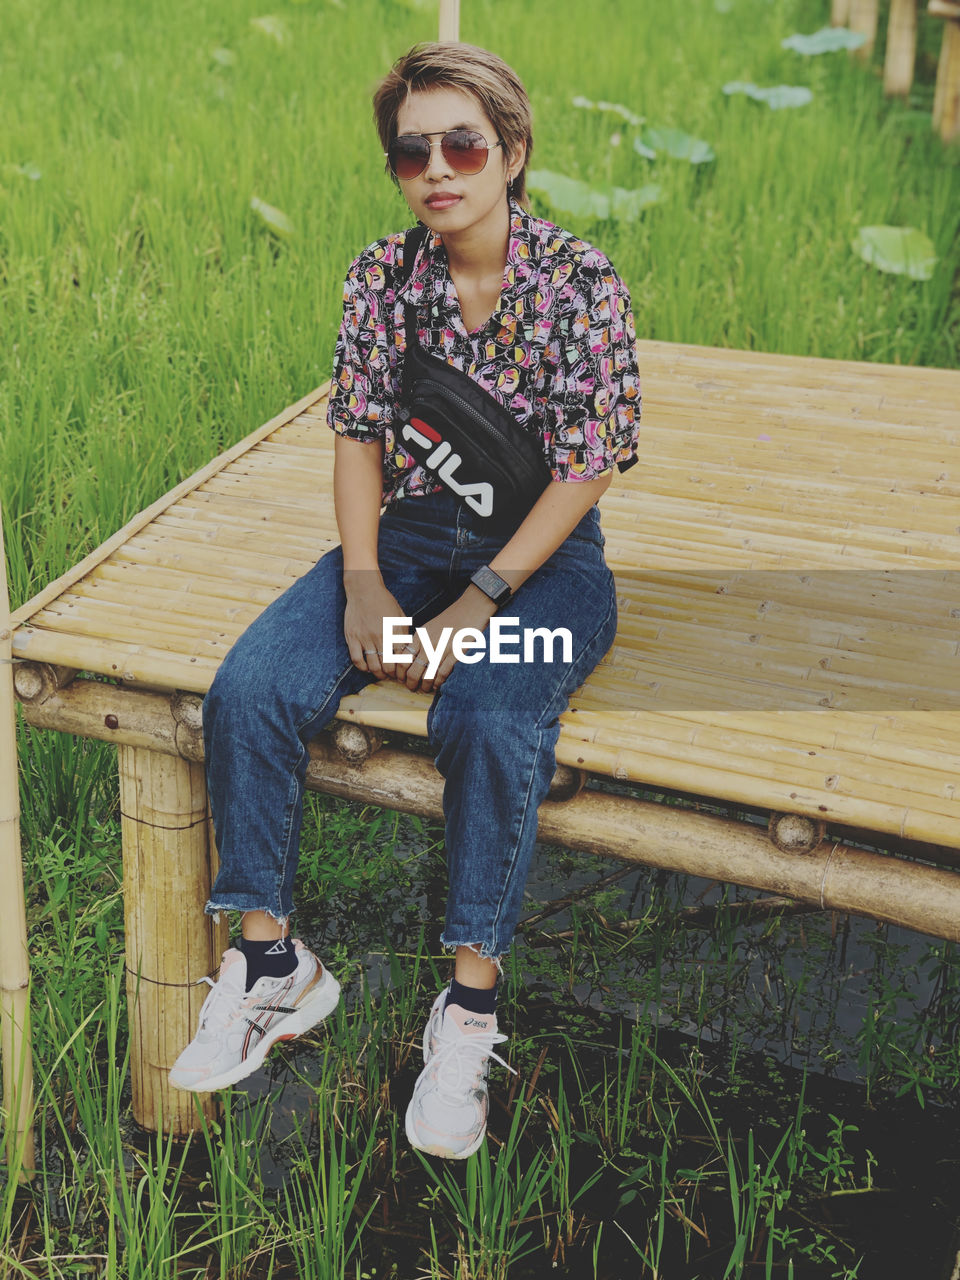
(171, 944)
(15, 1043)
(901, 48)
(449, 27)
(839, 13)
(946, 99)
(863, 18)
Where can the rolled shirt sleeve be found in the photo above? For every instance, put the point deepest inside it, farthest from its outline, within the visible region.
(362, 397)
(594, 402)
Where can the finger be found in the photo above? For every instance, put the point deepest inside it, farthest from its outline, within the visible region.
(447, 668)
(416, 670)
(372, 656)
(355, 647)
(396, 670)
(443, 671)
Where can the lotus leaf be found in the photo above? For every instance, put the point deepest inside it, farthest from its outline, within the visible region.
(275, 219)
(902, 251)
(826, 40)
(680, 145)
(570, 195)
(777, 96)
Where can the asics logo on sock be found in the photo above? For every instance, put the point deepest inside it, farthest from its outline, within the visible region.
(474, 1022)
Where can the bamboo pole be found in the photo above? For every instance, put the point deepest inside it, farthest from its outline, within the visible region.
(833, 877)
(839, 12)
(863, 19)
(946, 98)
(901, 48)
(170, 943)
(15, 1039)
(886, 888)
(449, 27)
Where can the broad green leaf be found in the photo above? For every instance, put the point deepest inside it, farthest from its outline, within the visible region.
(616, 107)
(569, 195)
(777, 96)
(271, 26)
(902, 251)
(226, 57)
(275, 219)
(648, 153)
(628, 204)
(826, 40)
(680, 145)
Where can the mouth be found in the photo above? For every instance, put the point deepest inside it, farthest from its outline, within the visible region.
(442, 202)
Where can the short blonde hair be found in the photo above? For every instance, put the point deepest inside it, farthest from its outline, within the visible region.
(452, 65)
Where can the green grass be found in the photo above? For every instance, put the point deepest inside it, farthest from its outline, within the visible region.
(150, 318)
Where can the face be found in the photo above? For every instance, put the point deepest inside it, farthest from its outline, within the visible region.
(481, 195)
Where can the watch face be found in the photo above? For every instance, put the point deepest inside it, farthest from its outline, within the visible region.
(491, 584)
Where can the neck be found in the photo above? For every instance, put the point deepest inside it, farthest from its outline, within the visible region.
(481, 250)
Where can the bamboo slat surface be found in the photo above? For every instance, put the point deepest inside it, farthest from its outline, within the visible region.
(786, 554)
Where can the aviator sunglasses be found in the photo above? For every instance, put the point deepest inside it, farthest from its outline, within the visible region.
(463, 149)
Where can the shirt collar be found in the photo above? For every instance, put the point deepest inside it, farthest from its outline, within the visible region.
(523, 256)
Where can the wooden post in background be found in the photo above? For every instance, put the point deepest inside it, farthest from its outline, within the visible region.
(839, 13)
(946, 98)
(15, 1046)
(449, 20)
(168, 868)
(901, 48)
(863, 19)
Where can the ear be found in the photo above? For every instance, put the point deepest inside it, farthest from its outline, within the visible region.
(516, 160)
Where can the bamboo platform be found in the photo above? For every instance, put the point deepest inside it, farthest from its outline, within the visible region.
(786, 557)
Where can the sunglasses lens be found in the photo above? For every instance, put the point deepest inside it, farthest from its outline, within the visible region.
(464, 150)
(409, 156)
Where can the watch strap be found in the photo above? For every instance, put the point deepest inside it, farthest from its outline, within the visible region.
(492, 585)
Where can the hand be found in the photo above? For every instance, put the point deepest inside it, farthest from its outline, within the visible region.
(368, 603)
(472, 609)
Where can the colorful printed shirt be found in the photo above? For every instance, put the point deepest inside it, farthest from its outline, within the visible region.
(558, 351)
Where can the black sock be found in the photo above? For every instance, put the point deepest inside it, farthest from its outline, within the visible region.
(475, 999)
(273, 958)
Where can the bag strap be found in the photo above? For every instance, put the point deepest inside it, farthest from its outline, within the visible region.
(411, 246)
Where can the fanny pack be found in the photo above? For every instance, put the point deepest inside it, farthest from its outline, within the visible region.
(461, 435)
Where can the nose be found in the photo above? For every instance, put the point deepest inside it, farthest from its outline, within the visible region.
(437, 166)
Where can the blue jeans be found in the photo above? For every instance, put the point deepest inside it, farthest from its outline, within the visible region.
(493, 726)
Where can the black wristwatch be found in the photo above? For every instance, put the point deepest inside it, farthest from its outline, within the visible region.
(492, 585)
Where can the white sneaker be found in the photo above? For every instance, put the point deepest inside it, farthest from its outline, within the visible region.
(447, 1115)
(239, 1027)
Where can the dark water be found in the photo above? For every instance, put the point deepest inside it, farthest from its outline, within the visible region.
(822, 1014)
(776, 1013)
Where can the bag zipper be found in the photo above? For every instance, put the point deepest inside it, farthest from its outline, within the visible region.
(490, 427)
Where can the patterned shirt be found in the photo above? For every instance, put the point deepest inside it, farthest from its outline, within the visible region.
(558, 351)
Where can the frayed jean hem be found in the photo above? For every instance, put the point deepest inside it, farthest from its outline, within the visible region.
(243, 904)
(481, 949)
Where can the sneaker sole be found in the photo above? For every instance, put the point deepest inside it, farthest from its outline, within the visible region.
(313, 1010)
(439, 1151)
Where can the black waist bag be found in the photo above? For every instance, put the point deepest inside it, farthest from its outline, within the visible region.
(463, 437)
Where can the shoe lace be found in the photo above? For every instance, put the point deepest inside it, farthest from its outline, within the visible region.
(462, 1062)
(221, 1006)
